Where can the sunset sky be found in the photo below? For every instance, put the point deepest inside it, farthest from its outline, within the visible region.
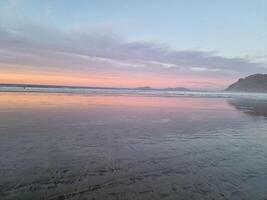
(130, 43)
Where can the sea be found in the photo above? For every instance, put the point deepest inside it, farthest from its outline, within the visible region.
(79, 144)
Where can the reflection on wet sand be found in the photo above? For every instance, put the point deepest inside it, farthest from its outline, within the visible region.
(61, 146)
(46, 100)
(256, 107)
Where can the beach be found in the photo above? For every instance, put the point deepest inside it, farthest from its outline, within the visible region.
(129, 146)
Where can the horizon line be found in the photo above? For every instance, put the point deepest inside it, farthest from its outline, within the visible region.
(94, 87)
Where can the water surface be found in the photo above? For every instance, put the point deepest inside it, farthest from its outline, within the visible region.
(97, 146)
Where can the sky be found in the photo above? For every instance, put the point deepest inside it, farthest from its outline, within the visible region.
(123, 43)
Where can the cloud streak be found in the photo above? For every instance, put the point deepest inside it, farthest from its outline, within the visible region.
(98, 49)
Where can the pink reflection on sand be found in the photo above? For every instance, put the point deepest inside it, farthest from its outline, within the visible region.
(60, 100)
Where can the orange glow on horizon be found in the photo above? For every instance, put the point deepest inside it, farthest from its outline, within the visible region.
(119, 79)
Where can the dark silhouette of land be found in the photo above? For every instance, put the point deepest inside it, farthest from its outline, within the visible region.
(252, 83)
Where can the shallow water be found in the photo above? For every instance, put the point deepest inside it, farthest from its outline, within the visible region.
(96, 146)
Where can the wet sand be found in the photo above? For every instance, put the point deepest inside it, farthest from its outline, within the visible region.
(74, 146)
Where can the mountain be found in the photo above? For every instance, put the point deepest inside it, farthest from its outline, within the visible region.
(164, 89)
(177, 89)
(252, 83)
(145, 88)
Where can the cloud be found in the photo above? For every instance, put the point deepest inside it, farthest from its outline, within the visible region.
(98, 48)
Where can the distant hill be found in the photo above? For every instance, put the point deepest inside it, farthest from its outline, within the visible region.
(253, 83)
(164, 89)
(145, 88)
(177, 89)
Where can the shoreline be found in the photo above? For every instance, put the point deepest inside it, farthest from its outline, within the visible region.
(136, 92)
